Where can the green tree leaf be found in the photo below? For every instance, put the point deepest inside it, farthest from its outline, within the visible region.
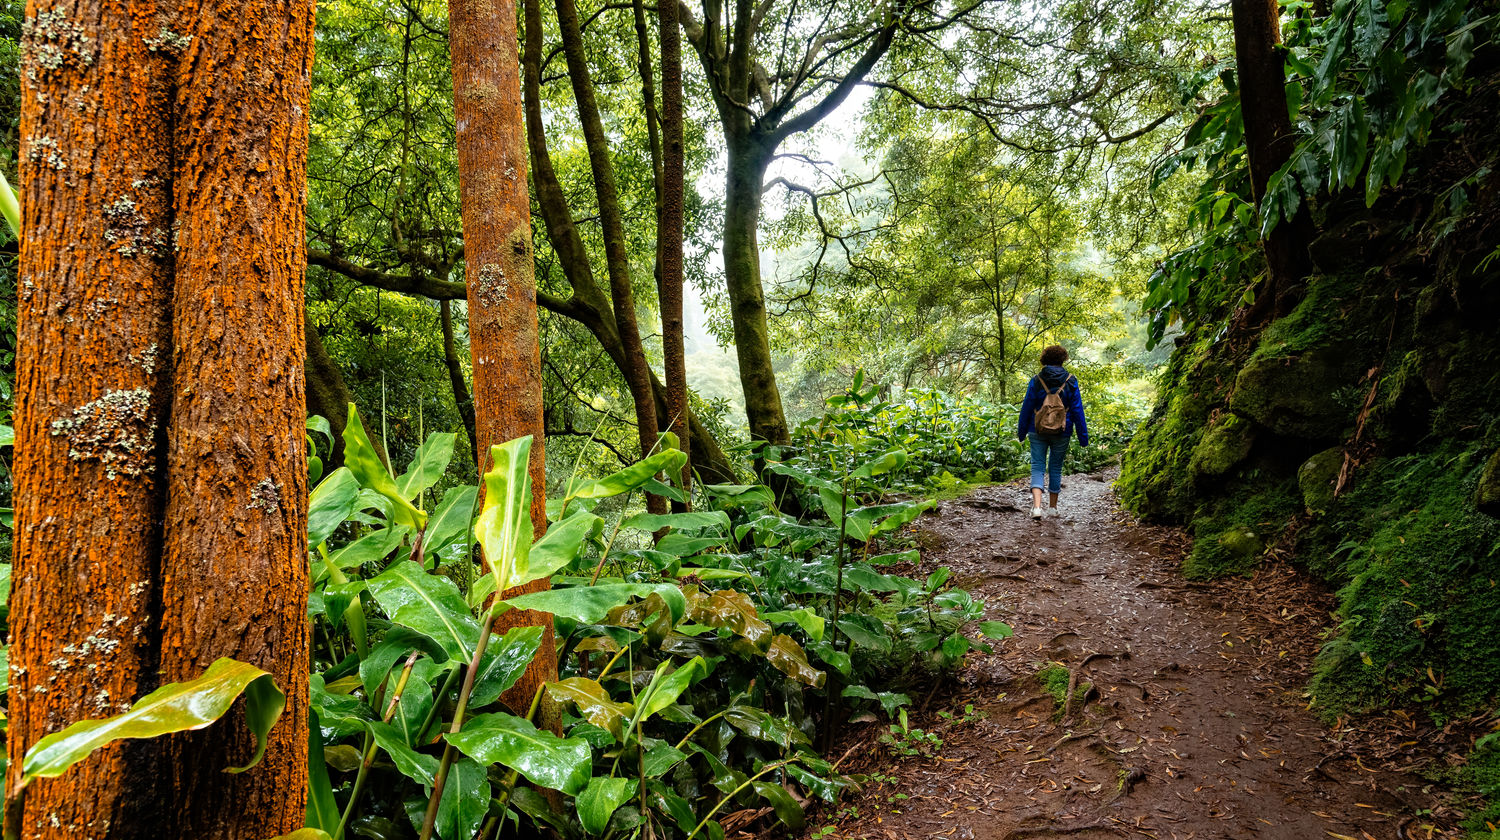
(504, 527)
(175, 707)
(589, 604)
(428, 465)
(544, 758)
(504, 662)
(429, 604)
(600, 800)
(334, 500)
(360, 458)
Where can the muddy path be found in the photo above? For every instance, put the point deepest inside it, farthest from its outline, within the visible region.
(1190, 719)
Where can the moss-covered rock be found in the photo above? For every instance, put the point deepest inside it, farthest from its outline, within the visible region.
(1317, 478)
(1242, 543)
(1487, 495)
(1296, 396)
(1223, 447)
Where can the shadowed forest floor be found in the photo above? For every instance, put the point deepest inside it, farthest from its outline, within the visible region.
(1190, 720)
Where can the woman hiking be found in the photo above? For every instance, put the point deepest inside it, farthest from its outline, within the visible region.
(1053, 409)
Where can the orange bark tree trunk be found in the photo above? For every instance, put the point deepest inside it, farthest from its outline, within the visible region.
(498, 266)
(160, 458)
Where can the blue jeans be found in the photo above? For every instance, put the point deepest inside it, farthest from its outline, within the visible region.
(1047, 455)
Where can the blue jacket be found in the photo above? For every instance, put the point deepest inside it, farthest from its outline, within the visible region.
(1072, 397)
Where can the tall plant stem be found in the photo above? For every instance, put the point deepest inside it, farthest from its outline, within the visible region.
(838, 602)
(369, 751)
(430, 820)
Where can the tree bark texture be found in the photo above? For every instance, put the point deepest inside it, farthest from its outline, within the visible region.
(1270, 141)
(92, 396)
(747, 300)
(669, 234)
(616, 253)
(500, 273)
(161, 464)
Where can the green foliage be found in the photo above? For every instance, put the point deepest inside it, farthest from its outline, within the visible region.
(1053, 679)
(175, 707)
(905, 740)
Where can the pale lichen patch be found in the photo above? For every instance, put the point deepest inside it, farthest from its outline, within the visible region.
(265, 496)
(116, 430)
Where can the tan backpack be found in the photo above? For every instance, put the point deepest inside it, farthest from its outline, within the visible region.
(1052, 417)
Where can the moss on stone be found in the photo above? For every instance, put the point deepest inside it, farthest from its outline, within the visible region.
(1317, 478)
(1225, 445)
(1487, 494)
(1303, 396)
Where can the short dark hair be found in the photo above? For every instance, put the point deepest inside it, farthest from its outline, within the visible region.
(1054, 355)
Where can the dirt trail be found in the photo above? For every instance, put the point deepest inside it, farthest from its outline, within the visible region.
(1197, 727)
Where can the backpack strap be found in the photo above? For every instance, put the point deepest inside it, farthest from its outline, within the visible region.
(1049, 391)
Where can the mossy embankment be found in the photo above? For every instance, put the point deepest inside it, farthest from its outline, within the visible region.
(1359, 435)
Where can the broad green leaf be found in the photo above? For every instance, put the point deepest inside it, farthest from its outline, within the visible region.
(504, 527)
(660, 758)
(397, 643)
(889, 701)
(681, 545)
(370, 548)
(600, 800)
(882, 464)
(466, 799)
(791, 659)
(322, 808)
(787, 809)
(996, 629)
(428, 465)
(360, 458)
(306, 834)
(808, 620)
(416, 766)
(544, 758)
(504, 662)
(803, 477)
(589, 604)
(429, 604)
(175, 707)
(866, 631)
(740, 495)
(334, 500)
(450, 522)
(10, 205)
(664, 690)
(680, 521)
(4, 584)
(631, 478)
(734, 611)
(338, 716)
(557, 548)
(860, 576)
(593, 704)
(7, 434)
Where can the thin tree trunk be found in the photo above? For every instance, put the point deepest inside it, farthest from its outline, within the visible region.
(616, 254)
(460, 387)
(747, 302)
(1270, 142)
(328, 395)
(501, 275)
(669, 235)
(92, 392)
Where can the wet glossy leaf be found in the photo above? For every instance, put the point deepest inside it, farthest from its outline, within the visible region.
(305, 834)
(886, 462)
(866, 631)
(631, 478)
(888, 700)
(466, 799)
(740, 495)
(504, 662)
(733, 611)
(808, 620)
(360, 458)
(429, 604)
(418, 767)
(680, 521)
(175, 707)
(322, 808)
(791, 659)
(332, 501)
(370, 548)
(589, 604)
(544, 758)
(786, 808)
(593, 703)
(664, 689)
(428, 465)
(660, 758)
(504, 528)
(601, 799)
(996, 629)
(450, 522)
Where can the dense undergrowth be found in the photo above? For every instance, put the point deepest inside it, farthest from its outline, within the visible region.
(1360, 432)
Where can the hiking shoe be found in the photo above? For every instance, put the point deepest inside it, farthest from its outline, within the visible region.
(1054, 513)
(1036, 513)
